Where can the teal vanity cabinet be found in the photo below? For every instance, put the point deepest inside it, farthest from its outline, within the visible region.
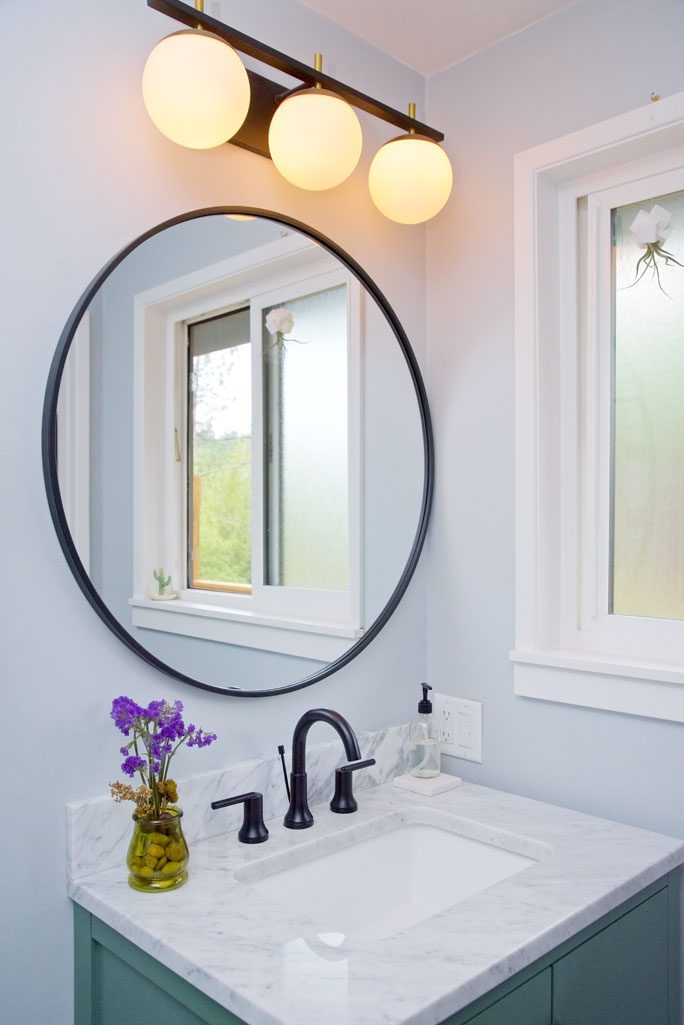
(116, 983)
(529, 1003)
(622, 970)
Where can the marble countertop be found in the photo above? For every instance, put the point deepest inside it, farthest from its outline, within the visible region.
(268, 965)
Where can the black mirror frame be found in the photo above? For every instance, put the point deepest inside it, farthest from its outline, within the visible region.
(49, 450)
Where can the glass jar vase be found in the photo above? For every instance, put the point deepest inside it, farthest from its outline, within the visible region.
(157, 856)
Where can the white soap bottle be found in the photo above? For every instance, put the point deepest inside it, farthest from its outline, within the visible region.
(424, 745)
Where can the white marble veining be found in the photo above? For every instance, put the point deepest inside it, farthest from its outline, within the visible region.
(98, 830)
(273, 966)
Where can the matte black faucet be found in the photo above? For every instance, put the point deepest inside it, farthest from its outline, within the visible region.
(298, 814)
(253, 829)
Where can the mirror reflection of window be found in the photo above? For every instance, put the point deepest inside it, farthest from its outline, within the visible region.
(648, 430)
(306, 444)
(253, 368)
(304, 485)
(220, 453)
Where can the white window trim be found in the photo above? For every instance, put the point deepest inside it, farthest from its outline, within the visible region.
(73, 440)
(324, 621)
(555, 657)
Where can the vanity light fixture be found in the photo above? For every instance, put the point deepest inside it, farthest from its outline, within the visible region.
(196, 89)
(315, 137)
(311, 132)
(410, 177)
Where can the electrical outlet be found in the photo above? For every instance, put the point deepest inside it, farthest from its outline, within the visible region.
(459, 726)
(446, 724)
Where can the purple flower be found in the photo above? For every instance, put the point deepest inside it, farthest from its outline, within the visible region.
(160, 750)
(172, 731)
(133, 764)
(155, 710)
(167, 718)
(201, 739)
(158, 731)
(124, 712)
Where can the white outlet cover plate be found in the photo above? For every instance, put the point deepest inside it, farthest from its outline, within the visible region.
(458, 722)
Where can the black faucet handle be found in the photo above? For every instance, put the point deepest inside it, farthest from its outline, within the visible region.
(344, 802)
(253, 829)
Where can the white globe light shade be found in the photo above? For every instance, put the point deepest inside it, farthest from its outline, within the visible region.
(196, 89)
(315, 139)
(410, 179)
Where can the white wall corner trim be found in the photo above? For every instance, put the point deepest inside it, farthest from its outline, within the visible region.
(557, 657)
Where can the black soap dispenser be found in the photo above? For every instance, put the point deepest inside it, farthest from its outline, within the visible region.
(423, 742)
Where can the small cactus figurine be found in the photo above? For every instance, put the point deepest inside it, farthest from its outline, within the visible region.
(159, 577)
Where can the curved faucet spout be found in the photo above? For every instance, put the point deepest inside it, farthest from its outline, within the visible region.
(298, 814)
(338, 723)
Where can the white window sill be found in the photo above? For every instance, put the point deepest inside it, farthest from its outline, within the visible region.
(303, 638)
(572, 678)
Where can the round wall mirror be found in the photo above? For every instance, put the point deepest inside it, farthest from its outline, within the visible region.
(237, 452)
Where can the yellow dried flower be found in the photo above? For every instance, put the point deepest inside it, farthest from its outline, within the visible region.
(142, 797)
(169, 790)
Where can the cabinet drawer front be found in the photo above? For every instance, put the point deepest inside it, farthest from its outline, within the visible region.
(123, 995)
(529, 1003)
(116, 983)
(619, 976)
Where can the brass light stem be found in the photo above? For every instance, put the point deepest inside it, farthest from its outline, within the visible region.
(318, 65)
(412, 115)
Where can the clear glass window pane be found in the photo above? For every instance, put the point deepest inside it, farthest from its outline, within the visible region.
(648, 434)
(306, 457)
(220, 453)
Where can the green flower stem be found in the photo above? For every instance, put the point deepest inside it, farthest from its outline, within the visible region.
(166, 761)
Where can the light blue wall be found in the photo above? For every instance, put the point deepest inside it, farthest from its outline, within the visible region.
(83, 173)
(597, 59)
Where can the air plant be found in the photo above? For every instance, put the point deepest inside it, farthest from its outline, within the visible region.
(649, 229)
(280, 322)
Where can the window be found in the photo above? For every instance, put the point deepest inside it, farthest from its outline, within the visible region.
(307, 436)
(219, 454)
(600, 435)
(260, 479)
(646, 569)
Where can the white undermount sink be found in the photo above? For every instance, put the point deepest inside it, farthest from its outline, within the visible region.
(374, 881)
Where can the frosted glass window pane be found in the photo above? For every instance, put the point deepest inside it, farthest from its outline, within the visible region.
(306, 431)
(648, 442)
(220, 453)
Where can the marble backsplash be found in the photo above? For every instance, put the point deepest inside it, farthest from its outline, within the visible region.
(98, 830)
